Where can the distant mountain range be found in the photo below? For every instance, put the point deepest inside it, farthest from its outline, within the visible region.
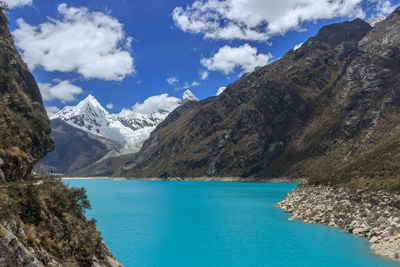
(87, 133)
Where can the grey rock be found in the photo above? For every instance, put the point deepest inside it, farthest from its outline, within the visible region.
(350, 211)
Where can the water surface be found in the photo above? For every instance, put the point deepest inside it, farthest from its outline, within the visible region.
(150, 223)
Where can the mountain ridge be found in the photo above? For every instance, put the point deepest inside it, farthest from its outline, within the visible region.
(97, 135)
(330, 99)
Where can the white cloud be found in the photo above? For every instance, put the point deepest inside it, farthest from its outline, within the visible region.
(259, 19)
(90, 43)
(110, 105)
(297, 46)
(203, 75)
(153, 103)
(63, 91)
(187, 85)
(383, 7)
(52, 110)
(172, 80)
(228, 58)
(17, 3)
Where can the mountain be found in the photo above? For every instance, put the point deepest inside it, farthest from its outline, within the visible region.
(68, 155)
(24, 125)
(329, 100)
(374, 20)
(42, 222)
(188, 96)
(86, 133)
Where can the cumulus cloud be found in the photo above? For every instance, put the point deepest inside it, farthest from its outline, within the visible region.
(92, 44)
(153, 103)
(110, 105)
(17, 3)
(172, 80)
(258, 19)
(51, 110)
(228, 58)
(203, 75)
(64, 91)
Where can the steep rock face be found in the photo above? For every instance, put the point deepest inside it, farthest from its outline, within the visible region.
(43, 224)
(331, 98)
(24, 126)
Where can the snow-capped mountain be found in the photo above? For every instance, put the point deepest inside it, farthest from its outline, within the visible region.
(374, 20)
(128, 128)
(188, 96)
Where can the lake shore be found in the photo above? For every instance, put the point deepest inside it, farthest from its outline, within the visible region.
(219, 179)
(374, 215)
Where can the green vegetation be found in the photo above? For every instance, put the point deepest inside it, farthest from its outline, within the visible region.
(52, 217)
(378, 168)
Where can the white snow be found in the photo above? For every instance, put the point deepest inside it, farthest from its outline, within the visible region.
(374, 20)
(220, 90)
(127, 128)
(188, 96)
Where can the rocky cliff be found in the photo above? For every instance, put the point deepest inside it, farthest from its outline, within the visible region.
(42, 221)
(315, 107)
(24, 126)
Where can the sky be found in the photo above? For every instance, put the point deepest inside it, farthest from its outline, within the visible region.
(142, 54)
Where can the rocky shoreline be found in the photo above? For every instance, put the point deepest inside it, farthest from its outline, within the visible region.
(205, 178)
(374, 215)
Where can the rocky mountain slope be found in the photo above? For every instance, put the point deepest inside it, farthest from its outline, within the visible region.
(87, 134)
(24, 126)
(42, 222)
(317, 106)
(74, 148)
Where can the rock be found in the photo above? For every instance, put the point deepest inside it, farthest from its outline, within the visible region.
(23, 116)
(374, 239)
(311, 204)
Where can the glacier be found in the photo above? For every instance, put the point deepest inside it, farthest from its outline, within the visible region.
(127, 128)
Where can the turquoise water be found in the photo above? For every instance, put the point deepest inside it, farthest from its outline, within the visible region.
(214, 224)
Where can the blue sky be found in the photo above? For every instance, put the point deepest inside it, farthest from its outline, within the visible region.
(123, 52)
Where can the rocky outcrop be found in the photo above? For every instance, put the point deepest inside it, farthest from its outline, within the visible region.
(43, 224)
(374, 215)
(317, 106)
(14, 253)
(24, 126)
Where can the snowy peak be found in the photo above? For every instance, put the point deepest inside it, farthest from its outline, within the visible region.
(87, 114)
(374, 20)
(220, 90)
(91, 101)
(188, 96)
(128, 128)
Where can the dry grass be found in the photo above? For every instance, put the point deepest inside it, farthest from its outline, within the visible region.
(52, 216)
(378, 168)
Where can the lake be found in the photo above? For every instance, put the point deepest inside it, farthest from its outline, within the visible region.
(155, 223)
